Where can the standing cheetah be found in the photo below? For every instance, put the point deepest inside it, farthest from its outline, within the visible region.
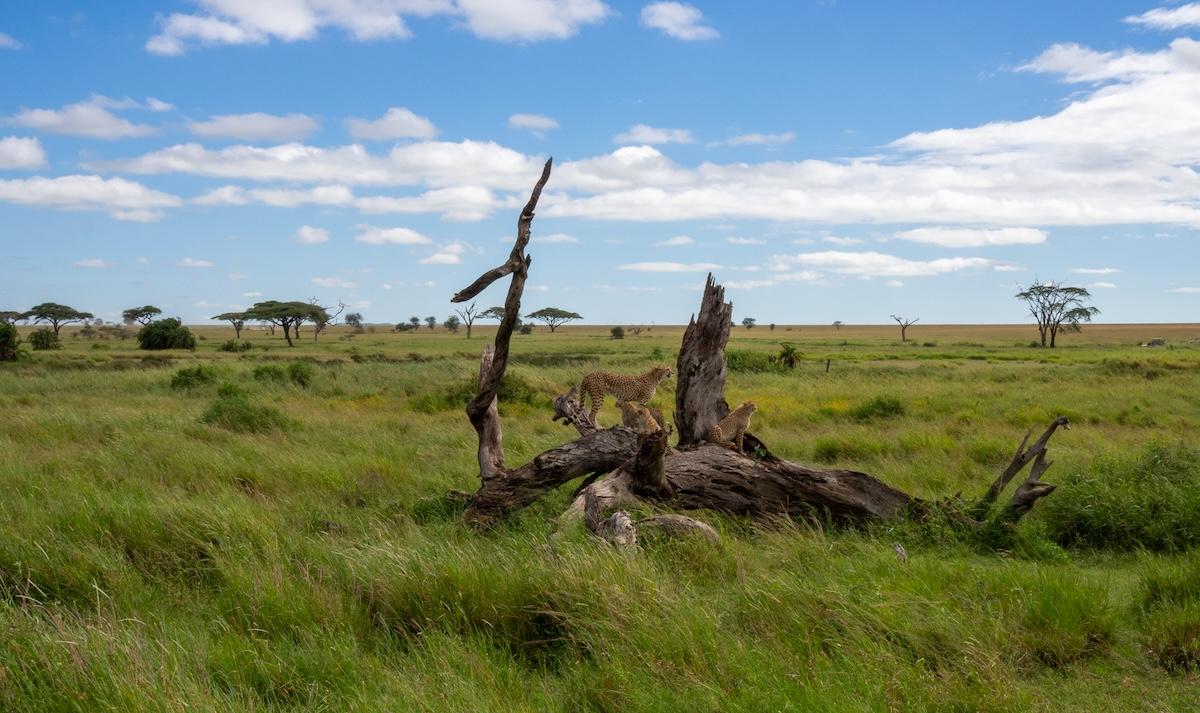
(639, 389)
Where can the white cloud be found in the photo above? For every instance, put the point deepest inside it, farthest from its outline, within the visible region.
(551, 238)
(449, 254)
(8, 42)
(875, 264)
(749, 284)
(90, 118)
(192, 262)
(735, 240)
(396, 123)
(894, 283)
(92, 262)
(460, 203)
(785, 137)
(256, 126)
(973, 237)
(277, 197)
(233, 22)
(17, 152)
(537, 123)
(1102, 285)
(308, 235)
(670, 267)
(1168, 18)
(338, 282)
(1094, 270)
(643, 134)
(122, 199)
(842, 241)
(390, 236)
(678, 20)
(1185, 290)
(677, 241)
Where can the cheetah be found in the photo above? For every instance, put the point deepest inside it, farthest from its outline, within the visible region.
(639, 389)
(638, 418)
(732, 429)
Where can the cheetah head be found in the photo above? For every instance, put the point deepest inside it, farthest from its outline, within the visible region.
(748, 407)
(662, 371)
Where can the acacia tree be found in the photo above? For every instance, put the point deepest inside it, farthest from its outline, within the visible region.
(288, 315)
(838, 325)
(10, 317)
(904, 325)
(415, 322)
(1057, 308)
(452, 324)
(469, 314)
(553, 317)
(142, 315)
(321, 317)
(749, 322)
(354, 319)
(56, 315)
(431, 321)
(236, 319)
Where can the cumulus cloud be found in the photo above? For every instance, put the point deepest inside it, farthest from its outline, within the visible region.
(678, 20)
(973, 237)
(277, 197)
(836, 240)
(460, 203)
(449, 254)
(643, 134)
(1168, 18)
(894, 283)
(233, 22)
(551, 238)
(308, 235)
(670, 267)
(785, 137)
(1102, 285)
(93, 118)
(192, 262)
(396, 123)
(677, 241)
(876, 264)
(536, 123)
(1185, 290)
(334, 282)
(18, 152)
(256, 126)
(371, 235)
(122, 199)
(8, 42)
(92, 262)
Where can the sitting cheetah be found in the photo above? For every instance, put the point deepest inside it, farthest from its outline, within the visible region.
(639, 389)
(638, 418)
(731, 429)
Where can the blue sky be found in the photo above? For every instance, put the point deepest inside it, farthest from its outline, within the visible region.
(827, 160)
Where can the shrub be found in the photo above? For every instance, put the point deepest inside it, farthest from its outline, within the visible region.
(232, 411)
(526, 329)
(618, 332)
(235, 346)
(657, 354)
(742, 360)
(270, 372)
(10, 342)
(166, 334)
(1146, 500)
(191, 377)
(300, 373)
(44, 339)
(513, 390)
(877, 407)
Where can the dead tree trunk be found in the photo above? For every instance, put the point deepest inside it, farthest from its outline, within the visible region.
(626, 469)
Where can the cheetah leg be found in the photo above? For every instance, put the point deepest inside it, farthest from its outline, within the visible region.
(741, 435)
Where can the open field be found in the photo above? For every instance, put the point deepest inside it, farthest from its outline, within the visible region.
(268, 536)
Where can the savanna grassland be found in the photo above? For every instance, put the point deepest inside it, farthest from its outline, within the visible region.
(269, 530)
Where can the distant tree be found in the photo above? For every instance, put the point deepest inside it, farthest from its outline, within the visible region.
(288, 315)
(237, 319)
(452, 324)
(1057, 308)
(553, 317)
(469, 314)
(789, 355)
(166, 334)
(838, 325)
(321, 317)
(10, 342)
(415, 322)
(44, 339)
(9, 317)
(431, 321)
(618, 332)
(771, 326)
(141, 315)
(354, 319)
(904, 325)
(492, 313)
(56, 315)
(749, 322)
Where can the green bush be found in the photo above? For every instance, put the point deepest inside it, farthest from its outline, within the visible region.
(232, 411)
(513, 390)
(743, 360)
(10, 342)
(526, 329)
(166, 334)
(270, 372)
(234, 346)
(44, 339)
(618, 332)
(1147, 500)
(300, 373)
(193, 376)
(877, 407)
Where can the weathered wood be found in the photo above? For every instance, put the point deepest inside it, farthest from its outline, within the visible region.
(1030, 491)
(671, 525)
(1020, 459)
(648, 468)
(491, 438)
(568, 410)
(700, 370)
(617, 529)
